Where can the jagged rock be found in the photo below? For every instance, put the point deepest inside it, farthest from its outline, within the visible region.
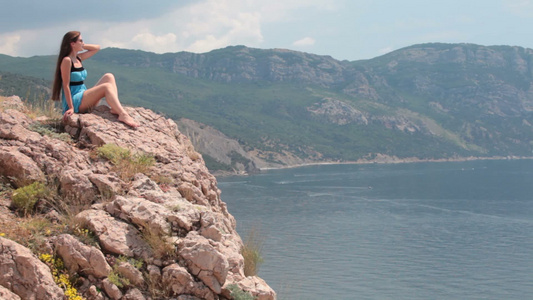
(142, 183)
(13, 102)
(19, 167)
(24, 274)
(75, 183)
(115, 236)
(111, 290)
(17, 132)
(154, 273)
(6, 294)
(143, 186)
(107, 185)
(79, 258)
(141, 212)
(257, 287)
(187, 213)
(158, 136)
(217, 145)
(134, 276)
(179, 281)
(133, 294)
(187, 297)
(94, 294)
(204, 261)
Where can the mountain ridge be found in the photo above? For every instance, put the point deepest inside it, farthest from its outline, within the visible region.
(426, 101)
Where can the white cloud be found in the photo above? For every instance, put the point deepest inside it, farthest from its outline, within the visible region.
(150, 42)
(215, 24)
(207, 25)
(198, 26)
(307, 41)
(9, 44)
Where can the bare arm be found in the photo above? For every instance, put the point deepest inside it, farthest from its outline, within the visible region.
(91, 50)
(66, 64)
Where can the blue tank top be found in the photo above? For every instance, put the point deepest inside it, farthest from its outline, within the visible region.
(77, 75)
(77, 87)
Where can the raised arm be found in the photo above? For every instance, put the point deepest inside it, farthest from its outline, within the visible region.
(91, 50)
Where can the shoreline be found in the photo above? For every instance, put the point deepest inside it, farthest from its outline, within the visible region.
(380, 160)
(399, 161)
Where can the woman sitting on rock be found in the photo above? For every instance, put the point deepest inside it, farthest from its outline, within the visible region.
(70, 75)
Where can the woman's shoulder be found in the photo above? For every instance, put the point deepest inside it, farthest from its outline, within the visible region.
(66, 60)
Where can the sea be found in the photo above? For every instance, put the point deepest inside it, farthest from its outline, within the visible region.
(447, 230)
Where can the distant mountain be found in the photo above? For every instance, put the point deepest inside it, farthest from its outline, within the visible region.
(429, 101)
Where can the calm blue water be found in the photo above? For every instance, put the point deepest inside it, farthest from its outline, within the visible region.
(409, 231)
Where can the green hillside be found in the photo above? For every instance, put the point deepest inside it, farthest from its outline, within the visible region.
(427, 101)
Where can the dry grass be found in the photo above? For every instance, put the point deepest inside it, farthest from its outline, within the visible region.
(159, 243)
(48, 108)
(31, 231)
(192, 153)
(252, 252)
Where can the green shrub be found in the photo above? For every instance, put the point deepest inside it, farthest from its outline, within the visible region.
(117, 279)
(136, 263)
(25, 198)
(51, 129)
(125, 163)
(114, 153)
(239, 294)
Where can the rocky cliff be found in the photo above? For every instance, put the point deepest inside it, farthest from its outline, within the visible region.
(164, 233)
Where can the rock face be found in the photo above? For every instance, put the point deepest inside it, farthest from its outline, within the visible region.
(219, 147)
(24, 274)
(171, 220)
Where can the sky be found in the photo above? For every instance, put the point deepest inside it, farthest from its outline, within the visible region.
(344, 29)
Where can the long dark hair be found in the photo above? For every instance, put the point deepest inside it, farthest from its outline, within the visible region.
(64, 51)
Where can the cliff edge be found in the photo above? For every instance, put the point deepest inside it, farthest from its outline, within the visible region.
(163, 233)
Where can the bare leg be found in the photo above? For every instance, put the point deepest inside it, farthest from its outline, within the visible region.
(109, 78)
(108, 90)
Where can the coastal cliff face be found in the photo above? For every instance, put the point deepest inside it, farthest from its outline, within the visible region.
(164, 233)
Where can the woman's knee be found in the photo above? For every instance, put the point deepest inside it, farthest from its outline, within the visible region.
(108, 77)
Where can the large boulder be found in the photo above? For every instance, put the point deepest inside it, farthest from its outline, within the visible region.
(19, 167)
(80, 258)
(179, 281)
(24, 274)
(204, 261)
(115, 236)
(6, 294)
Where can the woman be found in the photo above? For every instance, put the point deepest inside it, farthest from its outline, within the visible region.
(70, 75)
